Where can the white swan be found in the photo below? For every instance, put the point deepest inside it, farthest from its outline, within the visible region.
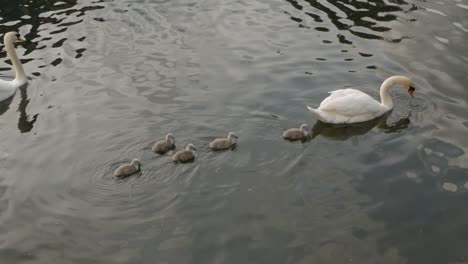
(7, 88)
(347, 106)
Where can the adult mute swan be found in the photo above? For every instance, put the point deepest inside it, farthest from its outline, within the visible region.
(347, 106)
(7, 88)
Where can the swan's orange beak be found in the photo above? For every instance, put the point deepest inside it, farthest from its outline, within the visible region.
(411, 91)
(20, 39)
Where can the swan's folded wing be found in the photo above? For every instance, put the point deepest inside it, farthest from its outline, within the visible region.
(338, 94)
(350, 102)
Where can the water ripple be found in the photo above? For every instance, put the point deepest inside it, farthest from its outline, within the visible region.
(108, 78)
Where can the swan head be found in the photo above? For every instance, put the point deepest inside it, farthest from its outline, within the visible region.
(136, 163)
(232, 135)
(411, 90)
(13, 37)
(406, 83)
(304, 128)
(191, 147)
(170, 138)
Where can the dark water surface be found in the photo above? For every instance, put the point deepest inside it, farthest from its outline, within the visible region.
(107, 78)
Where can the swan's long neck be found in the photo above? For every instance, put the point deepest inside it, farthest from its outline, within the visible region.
(385, 96)
(10, 49)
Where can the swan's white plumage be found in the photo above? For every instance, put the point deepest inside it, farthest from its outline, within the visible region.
(345, 101)
(353, 106)
(8, 88)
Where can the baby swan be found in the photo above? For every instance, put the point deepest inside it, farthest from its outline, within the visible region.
(297, 133)
(186, 155)
(164, 145)
(224, 143)
(128, 169)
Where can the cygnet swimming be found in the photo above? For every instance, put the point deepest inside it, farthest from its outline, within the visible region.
(297, 133)
(128, 169)
(188, 154)
(224, 143)
(164, 145)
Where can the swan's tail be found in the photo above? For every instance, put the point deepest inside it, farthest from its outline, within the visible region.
(313, 110)
(316, 112)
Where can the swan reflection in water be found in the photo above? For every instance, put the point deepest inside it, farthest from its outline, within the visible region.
(25, 123)
(346, 131)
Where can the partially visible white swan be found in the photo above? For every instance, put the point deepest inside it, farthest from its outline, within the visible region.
(7, 88)
(347, 106)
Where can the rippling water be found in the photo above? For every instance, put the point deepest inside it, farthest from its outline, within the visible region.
(108, 78)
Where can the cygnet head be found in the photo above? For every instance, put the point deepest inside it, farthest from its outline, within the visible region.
(170, 138)
(191, 147)
(232, 135)
(13, 37)
(304, 128)
(136, 163)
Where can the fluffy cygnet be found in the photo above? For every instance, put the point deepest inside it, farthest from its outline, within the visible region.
(188, 154)
(297, 133)
(224, 143)
(164, 145)
(128, 169)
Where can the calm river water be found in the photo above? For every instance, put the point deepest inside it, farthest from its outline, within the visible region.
(108, 78)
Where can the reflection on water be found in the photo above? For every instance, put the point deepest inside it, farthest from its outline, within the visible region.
(107, 78)
(25, 122)
(362, 19)
(5, 105)
(419, 213)
(344, 132)
(43, 21)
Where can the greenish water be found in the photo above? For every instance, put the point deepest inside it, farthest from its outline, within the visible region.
(108, 78)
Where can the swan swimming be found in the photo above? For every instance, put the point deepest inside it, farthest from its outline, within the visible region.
(345, 106)
(185, 155)
(164, 145)
(8, 88)
(300, 133)
(128, 169)
(224, 143)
